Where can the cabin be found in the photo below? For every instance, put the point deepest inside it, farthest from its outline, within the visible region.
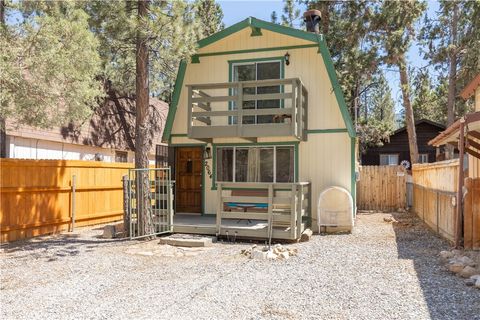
(107, 136)
(397, 150)
(257, 129)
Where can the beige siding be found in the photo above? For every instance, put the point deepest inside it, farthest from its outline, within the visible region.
(243, 41)
(323, 110)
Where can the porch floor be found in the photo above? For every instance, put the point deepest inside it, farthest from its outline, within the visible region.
(206, 224)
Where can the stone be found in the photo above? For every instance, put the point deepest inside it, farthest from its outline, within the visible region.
(467, 272)
(466, 261)
(455, 267)
(457, 252)
(470, 282)
(293, 252)
(477, 284)
(271, 255)
(183, 241)
(445, 255)
(284, 255)
(306, 235)
(257, 254)
(475, 277)
(108, 231)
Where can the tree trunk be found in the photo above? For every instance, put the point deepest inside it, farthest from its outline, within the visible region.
(142, 143)
(452, 76)
(3, 134)
(410, 121)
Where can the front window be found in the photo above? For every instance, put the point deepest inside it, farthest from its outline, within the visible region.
(389, 159)
(121, 156)
(255, 164)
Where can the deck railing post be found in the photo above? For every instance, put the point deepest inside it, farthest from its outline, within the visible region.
(270, 214)
(294, 106)
(219, 208)
(298, 119)
(293, 211)
(239, 109)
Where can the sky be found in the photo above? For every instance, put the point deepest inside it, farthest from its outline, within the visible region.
(235, 11)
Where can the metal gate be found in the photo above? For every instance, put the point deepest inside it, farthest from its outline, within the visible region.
(150, 203)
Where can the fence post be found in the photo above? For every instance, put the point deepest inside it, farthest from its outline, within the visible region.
(126, 203)
(438, 212)
(74, 183)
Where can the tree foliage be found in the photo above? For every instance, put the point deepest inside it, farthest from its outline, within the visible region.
(49, 65)
(210, 15)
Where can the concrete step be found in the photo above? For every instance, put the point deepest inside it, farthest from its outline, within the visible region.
(187, 240)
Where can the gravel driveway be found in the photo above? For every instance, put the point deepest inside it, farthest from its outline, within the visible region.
(380, 271)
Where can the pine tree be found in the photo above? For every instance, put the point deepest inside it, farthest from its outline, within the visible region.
(210, 15)
(394, 22)
(425, 102)
(49, 65)
(274, 17)
(290, 13)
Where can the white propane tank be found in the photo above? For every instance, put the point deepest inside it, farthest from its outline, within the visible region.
(335, 209)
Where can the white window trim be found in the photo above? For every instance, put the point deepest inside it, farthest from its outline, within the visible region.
(234, 148)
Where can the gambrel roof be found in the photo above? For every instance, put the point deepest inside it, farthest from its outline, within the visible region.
(257, 25)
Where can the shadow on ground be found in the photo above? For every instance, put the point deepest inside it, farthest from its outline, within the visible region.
(446, 295)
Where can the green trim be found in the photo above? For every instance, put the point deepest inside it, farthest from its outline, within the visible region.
(353, 186)
(256, 32)
(175, 99)
(317, 131)
(260, 24)
(187, 145)
(327, 59)
(295, 145)
(223, 53)
(195, 59)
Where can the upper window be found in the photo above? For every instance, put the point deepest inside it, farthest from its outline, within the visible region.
(389, 159)
(423, 158)
(121, 156)
(253, 71)
(256, 164)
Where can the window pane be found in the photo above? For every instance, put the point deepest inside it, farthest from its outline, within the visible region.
(265, 71)
(266, 165)
(393, 161)
(225, 164)
(285, 164)
(241, 164)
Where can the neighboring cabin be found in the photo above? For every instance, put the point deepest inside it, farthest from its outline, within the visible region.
(259, 104)
(397, 149)
(108, 136)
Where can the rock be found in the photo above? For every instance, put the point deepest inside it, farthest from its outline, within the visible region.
(470, 282)
(284, 255)
(306, 235)
(257, 254)
(455, 267)
(271, 255)
(477, 284)
(108, 231)
(445, 255)
(475, 277)
(466, 261)
(456, 252)
(293, 252)
(467, 272)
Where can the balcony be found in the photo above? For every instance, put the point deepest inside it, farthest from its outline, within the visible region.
(248, 109)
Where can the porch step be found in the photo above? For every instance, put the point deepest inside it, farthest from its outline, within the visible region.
(187, 240)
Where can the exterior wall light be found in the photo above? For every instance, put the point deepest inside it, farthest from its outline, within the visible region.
(287, 58)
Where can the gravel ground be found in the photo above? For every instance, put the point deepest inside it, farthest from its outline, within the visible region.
(380, 271)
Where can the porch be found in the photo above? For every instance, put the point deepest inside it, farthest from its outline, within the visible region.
(253, 210)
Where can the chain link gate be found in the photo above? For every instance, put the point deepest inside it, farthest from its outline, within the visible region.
(150, 202)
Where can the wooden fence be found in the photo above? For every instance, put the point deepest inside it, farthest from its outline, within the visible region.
(381, 188)
(434, 195)
(471, 209)
(36, 195)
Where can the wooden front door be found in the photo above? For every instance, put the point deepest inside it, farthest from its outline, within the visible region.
(188, 167)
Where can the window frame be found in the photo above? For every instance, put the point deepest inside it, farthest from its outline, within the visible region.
(420, 156)
(274, 146)
(389, 155)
